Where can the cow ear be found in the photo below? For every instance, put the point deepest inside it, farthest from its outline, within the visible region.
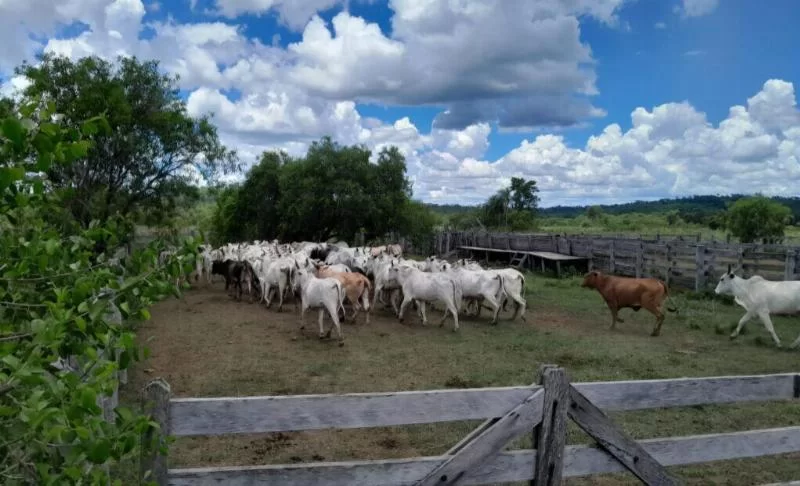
(729, 268)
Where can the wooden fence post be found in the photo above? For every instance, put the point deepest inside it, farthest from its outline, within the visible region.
(591, 254)
(612, 267)
(447, 245)
(155, 402)
(699, 268)
(640, 260)
(789, 267)
(669, 264)
(550, 436)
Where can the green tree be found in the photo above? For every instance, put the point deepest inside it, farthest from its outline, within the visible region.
(594, 212)
(512, 207)
(758, 218)
(334, 191)
(524, 195)
(146, 161)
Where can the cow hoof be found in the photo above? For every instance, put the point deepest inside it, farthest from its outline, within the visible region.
(654, 334)
(734, 336)
(341, 343)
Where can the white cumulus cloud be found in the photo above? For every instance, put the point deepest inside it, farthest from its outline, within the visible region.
(488, 65)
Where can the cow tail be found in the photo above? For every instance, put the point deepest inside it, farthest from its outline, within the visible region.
(456, 300)
(522, 290)
(503, 290)
(340, 291)
(669, 297)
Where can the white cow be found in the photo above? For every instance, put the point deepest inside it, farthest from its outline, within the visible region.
(481, 285)
(276, 276)
(427, 287)
(325, 294)
(761, 297)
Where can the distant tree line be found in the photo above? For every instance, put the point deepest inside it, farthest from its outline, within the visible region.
(334, 191)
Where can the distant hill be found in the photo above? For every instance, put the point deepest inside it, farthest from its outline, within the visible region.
(692, 204)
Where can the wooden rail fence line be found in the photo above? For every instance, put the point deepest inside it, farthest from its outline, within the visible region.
(683, 262)
(509, 412)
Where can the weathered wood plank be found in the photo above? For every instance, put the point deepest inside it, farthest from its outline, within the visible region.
(156, 403)
(208, 416)
(487, 443)
(200, 416)
(579, 460)
(553, 429)
(616, 442)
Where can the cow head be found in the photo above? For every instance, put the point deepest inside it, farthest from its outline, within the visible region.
(590, 280)
(726, 281)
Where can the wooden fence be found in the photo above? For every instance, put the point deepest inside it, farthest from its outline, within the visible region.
(509, 412)
(684, 262)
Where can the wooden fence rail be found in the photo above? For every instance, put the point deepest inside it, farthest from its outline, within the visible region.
(685, 262)
(479, 458)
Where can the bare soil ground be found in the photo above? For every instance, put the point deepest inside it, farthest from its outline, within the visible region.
(207, 344)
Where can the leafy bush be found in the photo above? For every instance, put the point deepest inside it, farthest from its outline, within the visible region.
(60, 288)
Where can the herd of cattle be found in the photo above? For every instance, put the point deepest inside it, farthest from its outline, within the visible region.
(325, 277)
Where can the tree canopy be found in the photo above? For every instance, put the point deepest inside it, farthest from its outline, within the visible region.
(513, 207)
(151, 153)
(334, 191)
(758, 218)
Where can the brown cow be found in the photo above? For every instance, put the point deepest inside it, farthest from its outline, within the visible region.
(356, 287)
(635, 293)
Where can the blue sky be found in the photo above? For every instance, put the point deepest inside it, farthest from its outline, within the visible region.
(474, 93)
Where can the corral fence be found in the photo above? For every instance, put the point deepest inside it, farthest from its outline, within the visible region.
(679, 261)
(479, 458)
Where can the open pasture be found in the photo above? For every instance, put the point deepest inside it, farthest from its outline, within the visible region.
(207, 344)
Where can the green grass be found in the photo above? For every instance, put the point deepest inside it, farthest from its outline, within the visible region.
(257, 352)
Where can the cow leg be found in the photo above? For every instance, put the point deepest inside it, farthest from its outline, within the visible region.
(365, 304)
(403, 306)
(335, 319)
(746, 317)
(659, 321)
(394, 296)
(450, 306)
(321, 319)
(614, 317)
(421, 308)
(796, 343)
(302, 317)
(764, 315)
(495, 305)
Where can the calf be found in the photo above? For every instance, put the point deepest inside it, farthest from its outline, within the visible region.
(325, 294)
(427, 287)
(356, 288)
(635, 293)
(761, 297)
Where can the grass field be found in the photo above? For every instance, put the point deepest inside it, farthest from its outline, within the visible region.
(208, 345)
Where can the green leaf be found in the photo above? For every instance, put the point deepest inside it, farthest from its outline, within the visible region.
(12, 129)
(100, 452)
(50, 246)
(11, 361)
(125, 308)
(9, 175)
(145, 314)
(88, 398)
(82, 432)
(89, 127)
(42, 143)
(97, 308)
(44, 161)
(78, 150)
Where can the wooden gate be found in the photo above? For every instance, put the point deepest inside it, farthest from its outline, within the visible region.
(479, 458)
